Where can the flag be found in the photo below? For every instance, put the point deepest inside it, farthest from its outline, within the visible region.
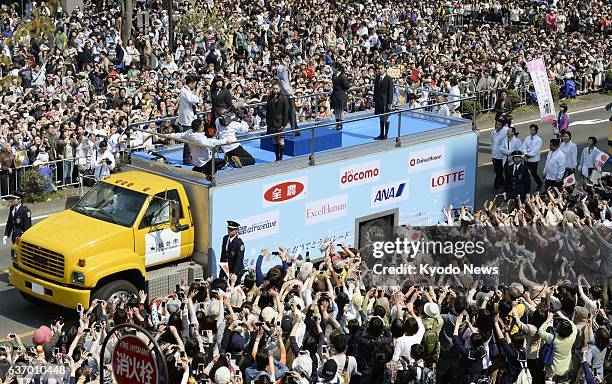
(601, 160)
(569, 180)
(225, 268)
(539, 77)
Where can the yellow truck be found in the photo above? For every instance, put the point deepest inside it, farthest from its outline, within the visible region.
(125, 225)
(133, 229)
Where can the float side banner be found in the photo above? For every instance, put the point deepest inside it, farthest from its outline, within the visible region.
(539, 77)
(299, 210)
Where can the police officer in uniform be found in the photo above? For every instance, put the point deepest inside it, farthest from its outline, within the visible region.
(19, 219)
(517, 178)
(232, 251)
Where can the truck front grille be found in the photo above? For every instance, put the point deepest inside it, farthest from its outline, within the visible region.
(42, 260)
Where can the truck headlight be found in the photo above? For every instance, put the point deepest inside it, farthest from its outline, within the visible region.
(78, 277)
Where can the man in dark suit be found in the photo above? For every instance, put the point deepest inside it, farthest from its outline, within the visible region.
(518, 182)
(19, 220)
(383, 98)
(232, 250)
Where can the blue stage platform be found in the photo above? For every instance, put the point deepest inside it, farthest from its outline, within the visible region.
(353, 134)
(325, 139)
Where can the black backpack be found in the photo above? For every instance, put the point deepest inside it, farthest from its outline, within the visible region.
(381, 353)
(409, 375)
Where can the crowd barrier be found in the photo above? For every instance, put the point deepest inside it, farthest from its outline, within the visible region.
(59, 173)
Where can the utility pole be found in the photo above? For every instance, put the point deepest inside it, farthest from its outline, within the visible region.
(170, 26)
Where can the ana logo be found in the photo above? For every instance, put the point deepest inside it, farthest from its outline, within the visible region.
(359, 174)
(389, 193)
(274, 194)
(447, 179)
(426, 159)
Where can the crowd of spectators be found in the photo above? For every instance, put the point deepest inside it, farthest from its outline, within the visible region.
(72, 97)
(84, 79)
(323, 321)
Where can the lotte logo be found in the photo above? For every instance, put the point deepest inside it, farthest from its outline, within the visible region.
(447, 179)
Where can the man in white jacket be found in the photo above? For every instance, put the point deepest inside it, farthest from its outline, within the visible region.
(497, 137)
(554, 168)
(531, 148)
(589, 157)
(570, 150)
(200, 154)
(227, 127)
(510, 144)
(102, 161)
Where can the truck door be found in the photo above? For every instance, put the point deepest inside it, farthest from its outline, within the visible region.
(154, 238)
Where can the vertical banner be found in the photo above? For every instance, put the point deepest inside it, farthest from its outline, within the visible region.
(539, 77)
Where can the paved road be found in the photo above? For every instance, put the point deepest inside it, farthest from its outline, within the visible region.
(591, 122)
(16, 315)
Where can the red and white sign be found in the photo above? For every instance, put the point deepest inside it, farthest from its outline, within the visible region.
(447, 179)
(569, 180)
(359, 174)
(281, 192)
(601, 160)
(133, 362)
(426, 159)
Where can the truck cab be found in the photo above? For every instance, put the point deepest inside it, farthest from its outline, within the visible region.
(102, 248)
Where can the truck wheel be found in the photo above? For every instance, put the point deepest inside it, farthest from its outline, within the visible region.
(33, 300)
(116, 290)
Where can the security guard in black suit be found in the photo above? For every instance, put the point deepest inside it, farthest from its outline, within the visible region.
(517, 178)
(19, 220)
(232, 251)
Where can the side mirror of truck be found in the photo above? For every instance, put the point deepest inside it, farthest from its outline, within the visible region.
(175, 216)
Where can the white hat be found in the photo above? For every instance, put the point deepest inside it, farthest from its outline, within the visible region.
(303, 364)
(432, 309)
(268, 314)
(305, 271)
(223, 376)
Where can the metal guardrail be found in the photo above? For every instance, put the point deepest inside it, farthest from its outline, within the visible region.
(59, 173)
(311, 159)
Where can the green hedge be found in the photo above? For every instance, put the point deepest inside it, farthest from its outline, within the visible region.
(33, 184)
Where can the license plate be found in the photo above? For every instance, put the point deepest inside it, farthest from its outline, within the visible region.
(38, 289)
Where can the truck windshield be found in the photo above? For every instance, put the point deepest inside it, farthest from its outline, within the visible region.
(111, 203)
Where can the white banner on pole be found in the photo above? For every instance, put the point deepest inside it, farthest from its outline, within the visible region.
(539, 77)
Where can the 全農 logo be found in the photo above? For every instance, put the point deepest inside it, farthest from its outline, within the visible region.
(285, 190)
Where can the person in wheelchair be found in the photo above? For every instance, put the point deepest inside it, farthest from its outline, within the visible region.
(228, 124)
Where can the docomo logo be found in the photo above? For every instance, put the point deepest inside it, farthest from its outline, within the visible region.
(274, 194)
(427, 158)
(359, 174)
(447, 179)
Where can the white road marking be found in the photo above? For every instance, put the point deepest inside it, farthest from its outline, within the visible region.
(33, 219)
(588, 122)
(537, 120)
